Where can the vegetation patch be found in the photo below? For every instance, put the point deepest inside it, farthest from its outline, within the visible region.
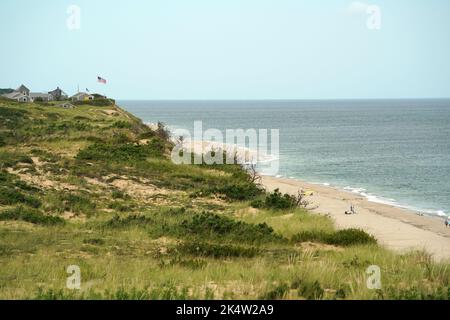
(278, 292)
(9, 196)
(212, 250)
(71, 202)
(11, 159)
(346, 237)
(120, 153)
(216, 226)
(131, 220)
(240, 191)
(30, 215)
(277, 201)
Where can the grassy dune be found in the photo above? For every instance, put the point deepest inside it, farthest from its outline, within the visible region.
(94, 187)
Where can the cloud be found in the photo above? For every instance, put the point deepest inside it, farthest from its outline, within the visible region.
(357, 7)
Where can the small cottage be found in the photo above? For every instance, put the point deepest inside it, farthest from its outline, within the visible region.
(18, 96)
(58, 94)
(82, 96)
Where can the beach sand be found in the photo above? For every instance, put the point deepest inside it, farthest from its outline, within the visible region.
(395, 228)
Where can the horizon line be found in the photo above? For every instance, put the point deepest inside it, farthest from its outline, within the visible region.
(284, 99)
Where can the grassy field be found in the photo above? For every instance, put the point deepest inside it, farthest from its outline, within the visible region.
(94, 187)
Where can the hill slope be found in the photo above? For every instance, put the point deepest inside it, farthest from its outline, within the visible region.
(94, 187)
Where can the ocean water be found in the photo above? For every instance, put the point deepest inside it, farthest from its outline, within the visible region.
(391, 151)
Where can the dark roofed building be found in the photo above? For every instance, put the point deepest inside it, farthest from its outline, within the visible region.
(58, 94)
(24, 90)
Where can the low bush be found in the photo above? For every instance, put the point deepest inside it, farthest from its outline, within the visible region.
(10, 117)
(30, 215)
(94, 241)
(96, 102)
(349, 237)
(10, 159)
(120, 152)
(346, 237)
(276, 201)
(204, 249)
(415, 293)
(278, 292)
(10, 196)
(240, 191)
(311, 290)
(65, 201)
(66, 126)
(122, 125)
(212, 225)
(117, 194)
(120, 206)
(163, 292)
(131, 220)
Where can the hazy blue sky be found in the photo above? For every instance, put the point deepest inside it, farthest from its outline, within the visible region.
(229, 49)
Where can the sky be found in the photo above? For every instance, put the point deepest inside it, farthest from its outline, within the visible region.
(233, 49)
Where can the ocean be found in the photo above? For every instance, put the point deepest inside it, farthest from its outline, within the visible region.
(390, 151)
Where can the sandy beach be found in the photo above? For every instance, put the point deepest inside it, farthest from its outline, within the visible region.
(395, 228)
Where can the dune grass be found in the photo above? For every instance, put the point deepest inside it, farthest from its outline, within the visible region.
(80, 187)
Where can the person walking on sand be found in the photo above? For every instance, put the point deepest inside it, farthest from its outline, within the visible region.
(447, 222)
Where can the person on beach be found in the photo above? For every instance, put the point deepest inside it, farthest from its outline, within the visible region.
(352, 210)
(447, 222)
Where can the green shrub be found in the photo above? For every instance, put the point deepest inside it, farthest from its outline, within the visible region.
(240, 191)
(276, 201)
(148, 134)
(121, 125)
(279, 292)
(96, 102)
(118, 153)
(10, 159)
(346, 237)
(66, 126)
(117, 194)
(131, 220)
(76, 203)
(212, 225)
(9, 196)
(311, 290)
(163, 292)
(194, 264)
(415, 293)
(119, 206)
(94, 241)
(53, 295)
(349, 237)
(10, 117)
(204, 249)
(30, 215)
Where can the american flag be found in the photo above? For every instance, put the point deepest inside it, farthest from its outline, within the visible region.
(101, 80)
